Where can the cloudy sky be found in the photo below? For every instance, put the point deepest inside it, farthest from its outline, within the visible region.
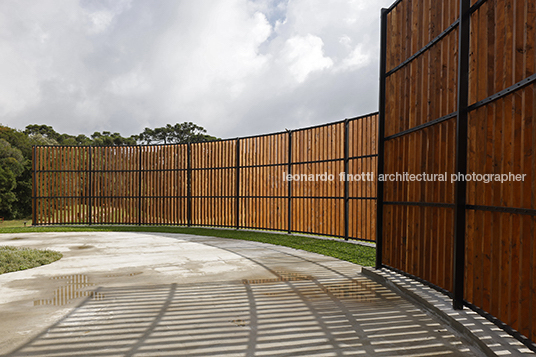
(235, 67)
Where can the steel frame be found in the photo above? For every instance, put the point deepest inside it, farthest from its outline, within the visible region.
(290, 165)
(461, 114)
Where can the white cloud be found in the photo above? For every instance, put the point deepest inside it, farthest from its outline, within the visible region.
(304, 54)
(345, 40)
(102, 13)
(358, 58)
(236, 67)
(131, 83)
(100, 20)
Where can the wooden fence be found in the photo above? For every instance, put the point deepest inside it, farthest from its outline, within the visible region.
(239, 183)
(456, 97)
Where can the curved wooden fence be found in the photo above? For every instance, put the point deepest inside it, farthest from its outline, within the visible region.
(239, 183)
(457, 97)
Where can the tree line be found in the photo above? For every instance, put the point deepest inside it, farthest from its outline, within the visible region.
(16, 155)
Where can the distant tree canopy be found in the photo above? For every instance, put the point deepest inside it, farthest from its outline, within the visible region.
(108, 139)
(181, 133)
(105, 138)
(16, 155)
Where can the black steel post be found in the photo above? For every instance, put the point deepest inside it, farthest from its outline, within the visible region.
(346, 183)
(34, 188)
(139, 185)
(90, 190)
(189, 185)
(237, 182)
(381, 141)
(289, 207)
(461, 154)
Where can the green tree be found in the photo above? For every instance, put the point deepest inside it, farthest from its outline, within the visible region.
(23, 192)
(8, 183)
(43, 130)
(11, 167)
(16, 155)
(180, 133)
(106, 138)
(49, 136)
(16, 168)
(17, 139)
(83, 140)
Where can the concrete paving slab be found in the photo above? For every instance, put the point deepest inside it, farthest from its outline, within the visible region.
(492, 340)
(154, 294)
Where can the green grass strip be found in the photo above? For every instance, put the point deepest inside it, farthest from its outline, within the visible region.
(355, 253)
(15, 258)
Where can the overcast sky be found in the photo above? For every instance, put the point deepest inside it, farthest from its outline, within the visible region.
(235, 67)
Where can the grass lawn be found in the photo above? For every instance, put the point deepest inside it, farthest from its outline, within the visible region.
(15, 259)
(17, 223)
(339, 249)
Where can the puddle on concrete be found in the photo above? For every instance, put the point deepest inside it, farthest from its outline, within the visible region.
(356, 289)
(283, 276)
(85, 247)
(359, 290)
(239, 322)
(73, 289)
(120, 275)
(17, 238)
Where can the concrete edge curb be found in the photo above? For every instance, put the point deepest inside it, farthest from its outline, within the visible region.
(475, 329)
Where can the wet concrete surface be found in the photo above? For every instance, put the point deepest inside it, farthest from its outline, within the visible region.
(153, 294)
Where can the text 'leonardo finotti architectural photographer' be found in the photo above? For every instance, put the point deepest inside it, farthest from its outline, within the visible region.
(406, 177)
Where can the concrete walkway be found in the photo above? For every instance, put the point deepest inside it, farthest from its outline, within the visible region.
(152, 294)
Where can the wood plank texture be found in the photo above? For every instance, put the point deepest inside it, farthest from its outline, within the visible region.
(149, 184)
(500, 267)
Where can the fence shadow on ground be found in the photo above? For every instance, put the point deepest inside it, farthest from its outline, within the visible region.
(290, 315)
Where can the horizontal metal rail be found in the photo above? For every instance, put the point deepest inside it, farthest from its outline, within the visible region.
(422, 126)
(207, 168)
(425, 48)
(435, 40)
(419, 204)
(514, 210)
(507, 91)
(205, 196)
